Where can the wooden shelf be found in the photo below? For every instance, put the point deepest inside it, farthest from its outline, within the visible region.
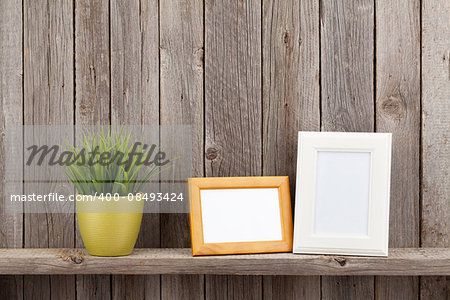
(424, 261)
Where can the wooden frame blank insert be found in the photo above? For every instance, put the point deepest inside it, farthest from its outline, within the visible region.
(231, 215)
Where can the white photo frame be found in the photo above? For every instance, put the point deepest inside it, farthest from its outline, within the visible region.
(342, 194)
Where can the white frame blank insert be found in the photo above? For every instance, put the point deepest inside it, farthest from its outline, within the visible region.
(342, 195)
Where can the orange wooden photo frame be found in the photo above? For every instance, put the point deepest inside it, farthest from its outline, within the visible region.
(199, 247)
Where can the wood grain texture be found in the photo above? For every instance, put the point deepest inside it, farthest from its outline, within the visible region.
(347, 100)
(233, 287)
(135, 101)
(398, 111)
(136, 287)
(233, 114)
(435, 138)
(135, 79)
(347, 65)
(11, 287)
(290, 103)
(291, 287)
(92, 62)
(181, 54)
(92, 102)
(11, 97)
(401, 261)
(48, 99)
(347, 287)
(233, 88)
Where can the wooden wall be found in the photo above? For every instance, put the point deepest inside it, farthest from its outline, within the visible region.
(246, 75)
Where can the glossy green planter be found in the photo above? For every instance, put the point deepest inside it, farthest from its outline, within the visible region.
(109, 228)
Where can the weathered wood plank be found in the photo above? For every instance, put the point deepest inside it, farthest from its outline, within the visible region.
(136, 287)
(291, 287)
(347, 65)
(347, 53)
(398, 111)
(48, 99)
(92, 101)
(135, 101)
(181, 52)
(11, 69)
(135, 79)
(11, 96)
(182, 286)
(347, 287)
(92, 62)
(11, 287)
(436, 137)
(401, 261)
(290, 104)
(233, 287)
(233, 89)
(233, 116)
